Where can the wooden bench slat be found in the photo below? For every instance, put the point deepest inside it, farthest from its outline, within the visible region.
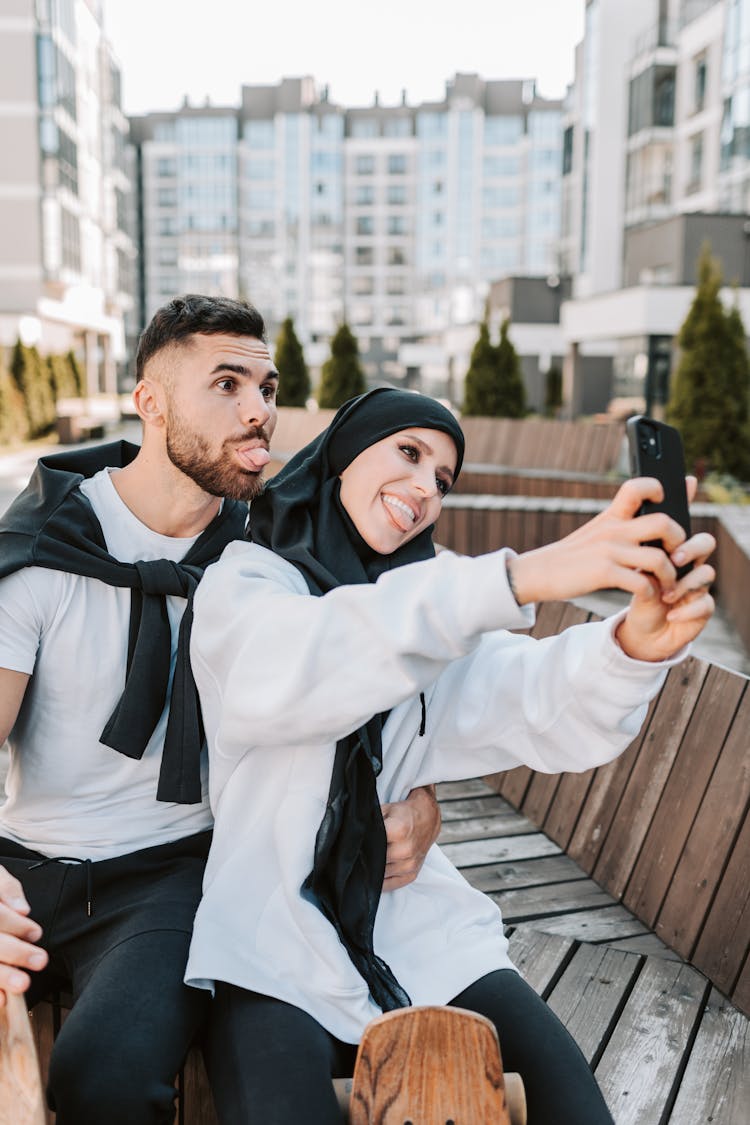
(523, 873)
(712, 837)
(637, 1068)
(607, 924)
(716, 1083)
(540, 957)
(484, 827)
(722, 948)
(682, 794)
(590, 993)
(473, 852)
(650, 771)
(528, 904)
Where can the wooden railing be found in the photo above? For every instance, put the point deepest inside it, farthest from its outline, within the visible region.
(665, 828)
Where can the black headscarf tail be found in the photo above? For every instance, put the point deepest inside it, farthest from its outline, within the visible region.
(300, 517)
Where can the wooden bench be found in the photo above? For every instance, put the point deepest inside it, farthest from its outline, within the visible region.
(665, 828)
(85, 419)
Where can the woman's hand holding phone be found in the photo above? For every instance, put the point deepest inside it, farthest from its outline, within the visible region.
(618, 549)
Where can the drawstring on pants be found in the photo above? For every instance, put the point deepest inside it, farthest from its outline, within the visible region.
(89, 875)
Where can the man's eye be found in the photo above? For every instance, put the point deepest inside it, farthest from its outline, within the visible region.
(225, 384)
(269, 391)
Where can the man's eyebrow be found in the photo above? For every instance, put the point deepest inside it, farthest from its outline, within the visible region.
(240, 369)
(428, 449)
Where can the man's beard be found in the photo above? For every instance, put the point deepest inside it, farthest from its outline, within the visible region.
(219, 475)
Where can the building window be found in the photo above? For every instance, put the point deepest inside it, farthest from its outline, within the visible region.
(396, 194)
(71, 240)
(567, 163)
(364, 165)
(696, 163)
(699, 85)
(363, 127)
(364, 286)
(364, 195)
(396, 256)
(365, 225)
(397, 224)
(166, 197)
(397, 163)
(166, 167)
(364, 255)
(397, 127)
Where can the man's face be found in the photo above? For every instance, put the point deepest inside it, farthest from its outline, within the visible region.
(221, 412)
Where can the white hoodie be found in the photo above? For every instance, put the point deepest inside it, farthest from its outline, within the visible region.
(283, 675)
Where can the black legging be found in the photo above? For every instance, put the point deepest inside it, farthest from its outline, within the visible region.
(272, 1063)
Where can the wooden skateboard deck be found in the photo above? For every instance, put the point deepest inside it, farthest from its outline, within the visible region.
(433, 1066)
(21, 1098)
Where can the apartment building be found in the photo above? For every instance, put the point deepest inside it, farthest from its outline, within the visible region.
(66, 258)
(675, 130)
(394, 217)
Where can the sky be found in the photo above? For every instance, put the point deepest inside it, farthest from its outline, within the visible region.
(172, 48)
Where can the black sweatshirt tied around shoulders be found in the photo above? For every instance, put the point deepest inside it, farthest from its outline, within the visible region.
(52, 524)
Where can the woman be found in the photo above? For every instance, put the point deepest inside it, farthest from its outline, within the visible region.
(341, 664)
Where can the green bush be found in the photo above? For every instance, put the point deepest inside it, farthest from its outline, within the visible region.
(342, 375)
(294, 384)
(494, 387)
(14, 423)
(32, 377)
(709, 403)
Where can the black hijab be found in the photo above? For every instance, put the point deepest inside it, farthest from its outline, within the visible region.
(300, 517)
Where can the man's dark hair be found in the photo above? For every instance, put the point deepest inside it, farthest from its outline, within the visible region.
(192, 315)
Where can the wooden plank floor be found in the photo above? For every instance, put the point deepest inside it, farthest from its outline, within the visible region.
(666, 1047)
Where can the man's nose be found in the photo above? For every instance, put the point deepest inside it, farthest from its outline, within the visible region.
(255, 409)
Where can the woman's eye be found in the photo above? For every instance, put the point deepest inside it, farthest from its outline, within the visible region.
(410, 451)
(442, 486)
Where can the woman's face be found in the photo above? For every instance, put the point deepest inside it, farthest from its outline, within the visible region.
(395, 488)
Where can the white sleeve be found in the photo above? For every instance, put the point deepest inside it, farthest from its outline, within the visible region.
(276, 666)
(21, 620)
(568, 702)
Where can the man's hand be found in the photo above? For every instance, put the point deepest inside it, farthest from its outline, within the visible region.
(18, 932)
(411, 828)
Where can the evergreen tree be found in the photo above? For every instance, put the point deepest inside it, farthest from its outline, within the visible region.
(342, 375)
(480, 378)
(494, 385)
(62, 378)
(294, 384)
(552, 391)
(709, 400)
(32, 378)
(14, 424)
(77, 373)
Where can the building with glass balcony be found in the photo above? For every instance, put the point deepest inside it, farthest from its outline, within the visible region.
(396, 218)
(67, 260)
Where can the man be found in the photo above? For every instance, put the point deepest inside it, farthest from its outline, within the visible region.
(106, 828)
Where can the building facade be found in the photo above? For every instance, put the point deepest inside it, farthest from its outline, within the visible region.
(395, 218)
(67, 261)
(682, 177)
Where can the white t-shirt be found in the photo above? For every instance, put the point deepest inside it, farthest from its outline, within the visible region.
(68, 794)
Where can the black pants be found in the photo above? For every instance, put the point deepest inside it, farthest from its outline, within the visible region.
(272, 1063)
(133, 1020)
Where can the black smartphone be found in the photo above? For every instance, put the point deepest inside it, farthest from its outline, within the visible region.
(656, 451)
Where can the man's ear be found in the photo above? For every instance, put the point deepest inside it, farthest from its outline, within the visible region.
(149, 399)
